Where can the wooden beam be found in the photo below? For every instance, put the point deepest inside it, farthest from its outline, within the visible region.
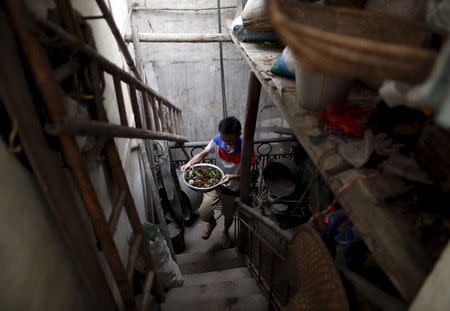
(371, 293)
(251, 116)
(133, 256)
(135, 107)
(181, 37)
(116, 211)
(388, 235)
(282, 130)
(435, 292)
(146, 293)
(120, 101)
(151, 186)
(116, 33)
(48, 168)
(181, 9)
(73, 127)
(256, 141)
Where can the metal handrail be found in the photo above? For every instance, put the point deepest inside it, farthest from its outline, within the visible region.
(269, 224)
(264, 256)
(195, 144)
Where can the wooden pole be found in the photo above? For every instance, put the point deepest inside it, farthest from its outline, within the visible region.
(435, 291)
(99, 128)
(73, 127)
(120, 101)
(151, 186)
(251, 115)
(116, 33)
(373, 294)
(179, 37)
(148, 117)
(156, 116)
(135, 107)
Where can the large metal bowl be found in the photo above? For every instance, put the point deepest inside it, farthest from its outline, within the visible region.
(201, 165)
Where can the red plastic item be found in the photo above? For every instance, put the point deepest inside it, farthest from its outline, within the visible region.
(347, 119)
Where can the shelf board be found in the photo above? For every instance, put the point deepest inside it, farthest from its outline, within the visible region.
(389, 236)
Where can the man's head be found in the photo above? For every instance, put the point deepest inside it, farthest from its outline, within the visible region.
(230, 130)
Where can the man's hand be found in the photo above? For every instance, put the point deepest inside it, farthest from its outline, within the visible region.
(227, 178)
(185, 167)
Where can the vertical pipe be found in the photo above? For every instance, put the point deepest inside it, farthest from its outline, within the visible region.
(251, 114)
(222, 73)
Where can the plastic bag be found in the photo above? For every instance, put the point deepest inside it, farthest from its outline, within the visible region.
(167, 269)
(285, 64)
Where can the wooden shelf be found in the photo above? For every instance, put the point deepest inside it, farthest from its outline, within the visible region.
(388, 235)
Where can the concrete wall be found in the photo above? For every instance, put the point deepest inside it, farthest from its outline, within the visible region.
(188, 74)
(37, 272)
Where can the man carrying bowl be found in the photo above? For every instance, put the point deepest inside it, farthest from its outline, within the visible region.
(226, 146)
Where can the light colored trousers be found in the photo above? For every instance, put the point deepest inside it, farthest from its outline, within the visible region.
(210, 200)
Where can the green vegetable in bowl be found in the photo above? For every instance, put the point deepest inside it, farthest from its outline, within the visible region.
(203, 177)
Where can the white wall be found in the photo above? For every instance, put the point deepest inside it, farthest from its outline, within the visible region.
(188, 74)
(37, 271)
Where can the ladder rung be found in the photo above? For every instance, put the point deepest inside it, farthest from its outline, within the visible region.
(72, 127)
(146, 294)
(134, 256)
(117, 209)
(93, 17)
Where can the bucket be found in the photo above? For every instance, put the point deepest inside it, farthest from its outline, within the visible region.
(281, 177)
(315, 89)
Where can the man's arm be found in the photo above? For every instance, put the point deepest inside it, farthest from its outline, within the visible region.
(195, 159)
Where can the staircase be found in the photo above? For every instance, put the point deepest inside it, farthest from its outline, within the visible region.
(214, 279)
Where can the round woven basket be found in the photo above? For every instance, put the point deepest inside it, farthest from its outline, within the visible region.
(356, 43)
(317, 283)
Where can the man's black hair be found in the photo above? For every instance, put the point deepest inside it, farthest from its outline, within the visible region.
(230, 125)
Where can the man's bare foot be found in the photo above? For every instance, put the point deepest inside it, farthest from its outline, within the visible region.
(209, 229)
(226, 240)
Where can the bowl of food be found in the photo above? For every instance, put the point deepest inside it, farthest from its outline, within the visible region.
(203, 177)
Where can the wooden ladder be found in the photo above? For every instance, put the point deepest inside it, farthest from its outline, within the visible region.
(162, 121)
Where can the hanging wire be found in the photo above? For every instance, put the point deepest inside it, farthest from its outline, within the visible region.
(222, 73)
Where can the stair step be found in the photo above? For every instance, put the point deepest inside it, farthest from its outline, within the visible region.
(257, 302)
(216, 276)
(217, 291)
(193, 263)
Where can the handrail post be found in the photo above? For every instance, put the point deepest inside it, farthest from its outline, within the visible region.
(251, 115)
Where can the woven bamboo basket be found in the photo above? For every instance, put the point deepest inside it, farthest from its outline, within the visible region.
(318, 286)
(356, 43)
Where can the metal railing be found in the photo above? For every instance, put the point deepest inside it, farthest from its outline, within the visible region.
(264, 248)
(266, 151)
(261, 243)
